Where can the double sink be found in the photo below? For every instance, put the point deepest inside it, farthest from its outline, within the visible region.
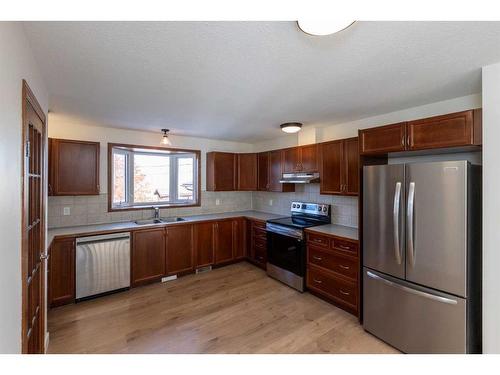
(159, 221)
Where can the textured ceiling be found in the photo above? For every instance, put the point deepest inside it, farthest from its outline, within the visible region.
(240, 80)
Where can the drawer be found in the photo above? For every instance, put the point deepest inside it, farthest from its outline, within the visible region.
(344, 245)
(332, 287)
(318, 239)
(332, 261)
(260, 243)
(258, 224)
(260, 233)
(260, 255)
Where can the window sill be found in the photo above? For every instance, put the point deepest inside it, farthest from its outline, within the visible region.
(150, 207)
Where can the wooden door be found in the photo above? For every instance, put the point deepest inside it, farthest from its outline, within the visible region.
(61, 274)
(239, 234)
(33, 255)
(148, 256)
(247, 172)
(224, 241)
(73, 167)
(221, 171)
(204, 244)
(332, 167)
(263, 171)
(180, 257)
(275, 173)
(309, 158)
(351, 170)
(291, 160)
(383, 139)
(451, 130)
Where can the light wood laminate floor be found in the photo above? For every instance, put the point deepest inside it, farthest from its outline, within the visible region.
(234, 309)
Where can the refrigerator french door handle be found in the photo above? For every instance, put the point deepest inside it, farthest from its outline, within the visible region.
(411, 290)
(395, 219)
(409, 223)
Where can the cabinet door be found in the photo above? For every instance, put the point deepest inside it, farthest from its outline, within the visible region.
(351, 158)
(309, 158)
(275, 173)
(451, 130)
(240, 243)
(332, 167)
(221, 168)
(179, 249)
(204, 244)
(263, 171)
(291, 160)
(148, 256)
(247, 172)
(73, 167)
(62, 272)
(383, 139)
(224, 241)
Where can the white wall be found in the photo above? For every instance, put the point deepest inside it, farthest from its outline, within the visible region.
(17, 63)
(61, 127)
(491, 208)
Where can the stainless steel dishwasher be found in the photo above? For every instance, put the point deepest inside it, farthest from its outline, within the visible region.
(102, 264)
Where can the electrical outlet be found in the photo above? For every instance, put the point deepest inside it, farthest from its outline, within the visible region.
(66, 211)
(217, 202)
(270, 202)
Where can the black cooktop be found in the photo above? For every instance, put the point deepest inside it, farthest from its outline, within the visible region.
(297, 221)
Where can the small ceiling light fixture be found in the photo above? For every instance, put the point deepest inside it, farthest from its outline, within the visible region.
(323, 27)
(165, 140)
(291, 127)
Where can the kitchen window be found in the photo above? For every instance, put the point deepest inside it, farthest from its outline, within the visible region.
(144, 177)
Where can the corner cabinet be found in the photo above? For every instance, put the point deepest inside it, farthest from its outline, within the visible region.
(73, 167)
(221, 171)
(339, 167)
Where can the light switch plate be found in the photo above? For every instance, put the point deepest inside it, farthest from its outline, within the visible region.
(270, 202)
(66, 211)
(217, 202)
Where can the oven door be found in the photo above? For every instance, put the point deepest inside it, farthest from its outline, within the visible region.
(286, 252)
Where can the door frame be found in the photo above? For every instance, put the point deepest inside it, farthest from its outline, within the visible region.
(28, 96)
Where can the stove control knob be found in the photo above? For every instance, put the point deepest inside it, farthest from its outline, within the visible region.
(293, 205)
(303, 206)
(319, 208)
(325, 209)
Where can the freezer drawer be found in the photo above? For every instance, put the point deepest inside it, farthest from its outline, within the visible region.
(412, 318)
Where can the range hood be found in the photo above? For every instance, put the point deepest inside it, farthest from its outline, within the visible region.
(299, 178)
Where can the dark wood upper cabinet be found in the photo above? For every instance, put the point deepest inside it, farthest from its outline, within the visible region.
(300, 159)
(332, 167)
(247, 172)
(263, 171)
(148, 256)
(451, 130)
(179, 256)
(383, 139)
(351, 162)
(204, 244)
(73, 167)
(61, 276)
(221, 171)
(224, 241)
(276, 173)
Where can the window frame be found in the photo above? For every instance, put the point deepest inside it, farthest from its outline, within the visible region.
(139, 149)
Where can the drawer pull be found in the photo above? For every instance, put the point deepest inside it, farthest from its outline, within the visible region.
(317, 281)
(344, 267)
(318, 240)
(345, 247)
(317, 258)
(260, 257)
(344, 292)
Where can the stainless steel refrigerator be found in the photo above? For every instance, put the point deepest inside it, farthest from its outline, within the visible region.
(422, 256)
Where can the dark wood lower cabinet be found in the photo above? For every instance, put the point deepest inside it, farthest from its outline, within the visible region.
(179, 249)
(204, 244)
(240, 233)
(148, 256)
(258, 243)
(224, 241)
(61, 276)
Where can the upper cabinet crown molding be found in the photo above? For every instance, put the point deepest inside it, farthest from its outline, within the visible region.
(73, 167)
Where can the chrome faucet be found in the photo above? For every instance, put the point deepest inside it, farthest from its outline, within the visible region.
(157, 212)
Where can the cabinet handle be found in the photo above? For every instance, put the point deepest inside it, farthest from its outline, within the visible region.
(344, 293)
(317, 258)
(408, 140)
(344, 247)
(318, 281)
(403, 141)
(317, 240)
(344, 267)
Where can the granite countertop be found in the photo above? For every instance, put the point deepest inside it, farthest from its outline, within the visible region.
(82, 230)
(336, 230)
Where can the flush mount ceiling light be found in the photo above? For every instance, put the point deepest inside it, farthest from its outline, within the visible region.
(291, 127)
(323, 27)
(165, 140)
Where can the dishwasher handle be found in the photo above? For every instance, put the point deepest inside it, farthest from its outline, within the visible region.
(103, 238)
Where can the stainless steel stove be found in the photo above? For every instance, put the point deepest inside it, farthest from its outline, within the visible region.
(286, 250)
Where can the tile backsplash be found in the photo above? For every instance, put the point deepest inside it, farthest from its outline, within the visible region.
(344, 208)
(85, 210)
